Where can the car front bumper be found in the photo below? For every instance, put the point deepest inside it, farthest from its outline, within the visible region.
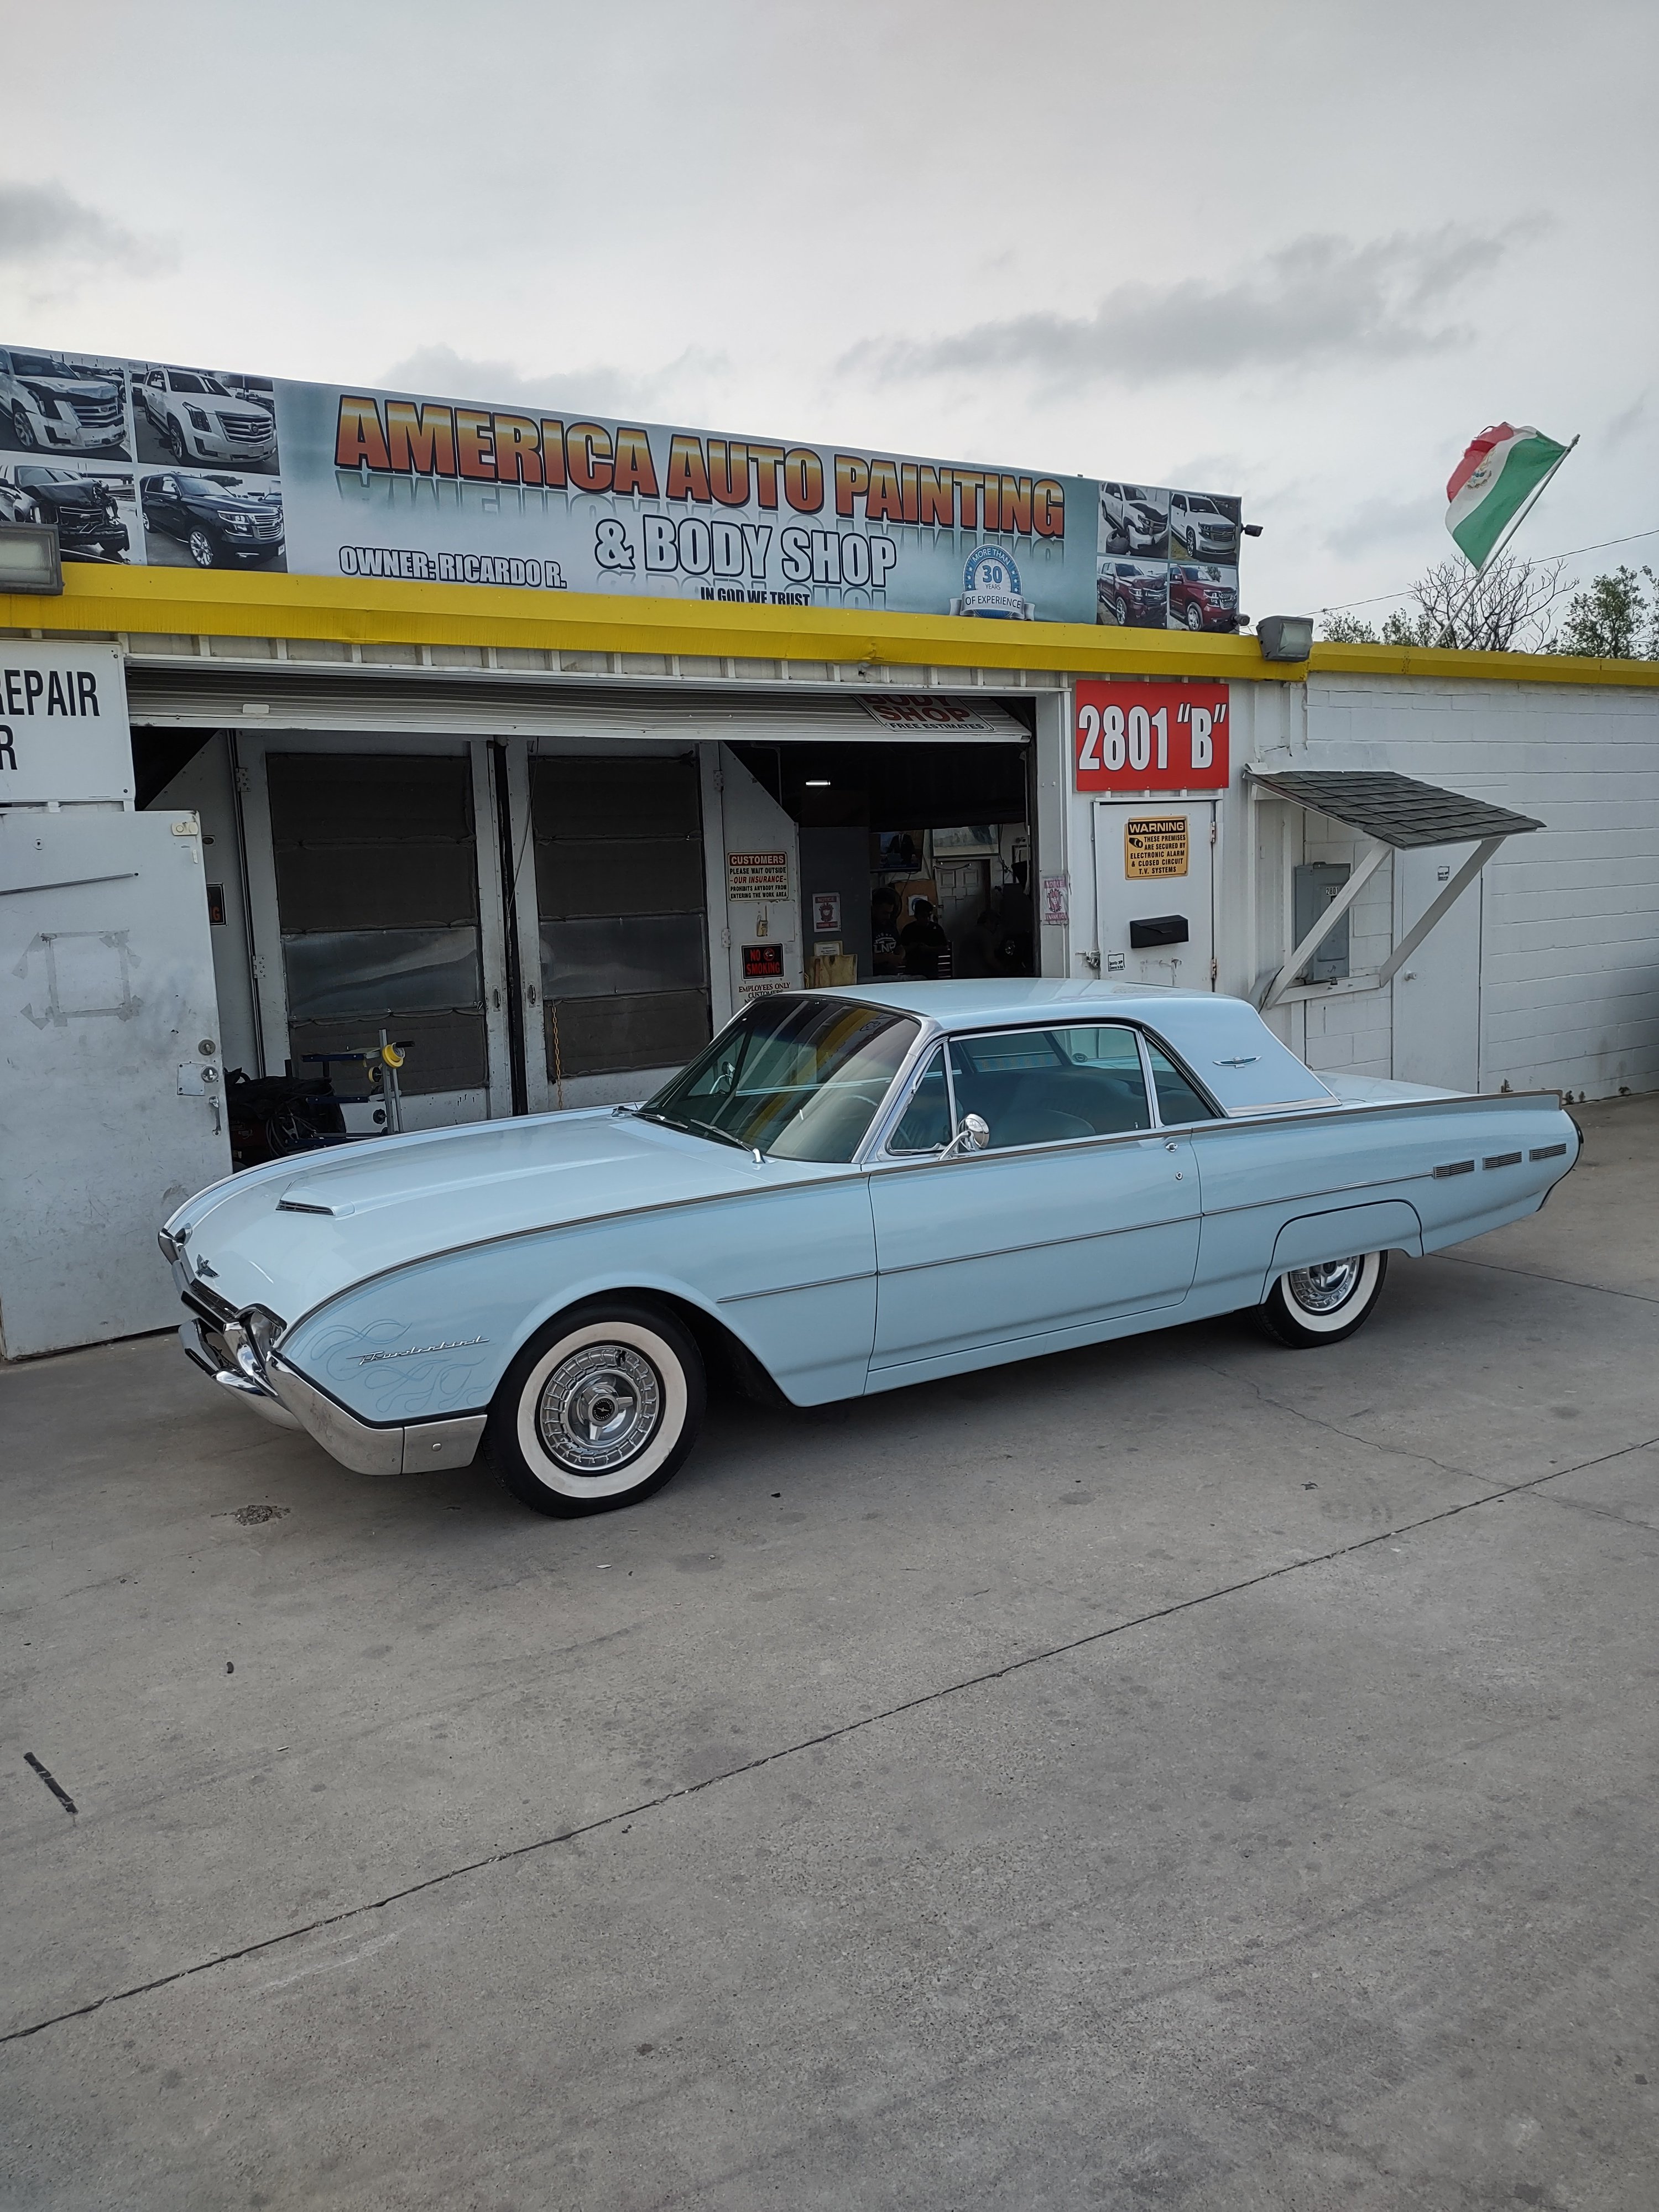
(278, 1393)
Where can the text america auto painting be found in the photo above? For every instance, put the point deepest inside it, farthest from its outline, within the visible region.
(338, 480)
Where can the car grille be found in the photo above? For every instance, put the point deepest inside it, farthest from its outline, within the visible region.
(246, 429)
(81, 522)
(97, 414)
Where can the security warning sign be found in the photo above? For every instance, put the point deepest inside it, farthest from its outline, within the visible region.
(1155, 845)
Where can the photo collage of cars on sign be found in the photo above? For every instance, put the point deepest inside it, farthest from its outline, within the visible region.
(142, 462)
(1168, 560)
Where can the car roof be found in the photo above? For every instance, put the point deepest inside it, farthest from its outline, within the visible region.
(1224, 1040)
(969, 1005)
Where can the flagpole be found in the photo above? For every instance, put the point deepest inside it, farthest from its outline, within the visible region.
(1522, 513)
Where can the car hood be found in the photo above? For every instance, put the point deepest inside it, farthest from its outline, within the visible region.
(293, 1234)
(69, 494)
(69, 387)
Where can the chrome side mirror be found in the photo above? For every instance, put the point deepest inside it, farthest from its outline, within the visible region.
(973, 1136)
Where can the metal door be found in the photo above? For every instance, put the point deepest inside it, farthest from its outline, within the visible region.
(1154, 868)
(1436, 994)
(111, 1082)
(376, 894)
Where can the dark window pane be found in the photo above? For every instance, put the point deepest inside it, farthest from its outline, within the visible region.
(621, 953)
(1045, 1087)
(375, 886)
(382, 971)
(599, 1036)
(368, 798)
(654, 875)
(579, 799)
(1177, 1100)
(925, 1124)
(446, 1051)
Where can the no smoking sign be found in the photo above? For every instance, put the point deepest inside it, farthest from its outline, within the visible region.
(1151, 736)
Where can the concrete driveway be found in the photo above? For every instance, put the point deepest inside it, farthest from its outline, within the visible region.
(1183, 1774)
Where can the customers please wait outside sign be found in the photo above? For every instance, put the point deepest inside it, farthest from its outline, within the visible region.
(1151, 736)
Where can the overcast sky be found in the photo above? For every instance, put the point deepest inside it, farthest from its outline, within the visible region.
(1298, 249)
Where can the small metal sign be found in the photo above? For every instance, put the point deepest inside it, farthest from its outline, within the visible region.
(758, 879)
(1155, 845)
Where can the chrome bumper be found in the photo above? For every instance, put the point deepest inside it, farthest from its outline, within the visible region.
(278, 1393)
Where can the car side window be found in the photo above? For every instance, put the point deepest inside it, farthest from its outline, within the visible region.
(1051, 1086)
(1177, 1100)
(925, 1124)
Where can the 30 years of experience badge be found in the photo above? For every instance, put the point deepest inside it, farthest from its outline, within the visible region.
(990, 586)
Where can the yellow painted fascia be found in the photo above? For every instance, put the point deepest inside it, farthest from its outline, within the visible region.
(1427, 661)
(186, 602)
(191, 602)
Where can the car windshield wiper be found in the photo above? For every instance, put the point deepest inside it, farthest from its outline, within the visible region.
(694, 1128)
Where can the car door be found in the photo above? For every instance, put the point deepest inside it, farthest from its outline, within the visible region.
(163, 505)
(1079, 1211)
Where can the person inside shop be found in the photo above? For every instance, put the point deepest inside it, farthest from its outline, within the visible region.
(885, 956)
(923, 940)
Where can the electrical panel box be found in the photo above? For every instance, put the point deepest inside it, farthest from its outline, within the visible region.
(1315, 885)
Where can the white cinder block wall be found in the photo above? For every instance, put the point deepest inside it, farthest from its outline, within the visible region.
(1568, 996)
(1566, 918)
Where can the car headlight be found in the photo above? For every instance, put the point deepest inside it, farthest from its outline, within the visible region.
(198, 418)
(45, 404)
(237, 521)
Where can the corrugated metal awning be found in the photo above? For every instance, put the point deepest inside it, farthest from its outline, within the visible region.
(1396, 810)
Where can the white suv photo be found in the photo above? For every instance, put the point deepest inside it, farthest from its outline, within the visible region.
(1200, 528)
(50, 405)
(201, 419)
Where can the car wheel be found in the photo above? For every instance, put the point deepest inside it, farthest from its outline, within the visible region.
(1193, 616)
(1323, 1304)
(203, 549)
(599, 1410)
(175, 438)
(22, 430)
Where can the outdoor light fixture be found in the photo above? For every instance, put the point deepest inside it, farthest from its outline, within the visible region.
(1253, 529)
(817, 783)
(29, 559)
(1285, 637)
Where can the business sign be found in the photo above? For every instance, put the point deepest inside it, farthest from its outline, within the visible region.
(63, 732)
(758, 879)
(1150, 737)
(154, 463)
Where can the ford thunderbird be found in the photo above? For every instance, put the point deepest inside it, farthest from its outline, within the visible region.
(845, 1192)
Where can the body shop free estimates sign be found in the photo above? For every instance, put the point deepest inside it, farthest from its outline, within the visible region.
(1151, 736)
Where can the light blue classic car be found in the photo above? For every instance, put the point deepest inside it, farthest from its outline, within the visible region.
(846, 1192)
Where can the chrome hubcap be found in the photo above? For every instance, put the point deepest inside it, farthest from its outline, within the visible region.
(1322, 1289)
(600, 1409)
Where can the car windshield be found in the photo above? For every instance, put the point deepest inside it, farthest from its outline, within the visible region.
(185, 380)
(46, 476)
(800, 1079)
(40, 364)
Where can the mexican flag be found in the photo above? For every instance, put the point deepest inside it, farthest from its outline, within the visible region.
(1493, 483)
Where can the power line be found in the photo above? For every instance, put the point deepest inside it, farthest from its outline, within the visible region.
(1572, 554)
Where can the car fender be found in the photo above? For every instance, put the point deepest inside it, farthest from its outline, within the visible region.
(435, 1336)
(1312, 1239)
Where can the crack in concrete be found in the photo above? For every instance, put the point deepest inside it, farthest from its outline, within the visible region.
(1537, 1275)
(816, 1743)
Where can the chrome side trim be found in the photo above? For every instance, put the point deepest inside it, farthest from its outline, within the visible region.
(1041, 1244)
(783, 1290)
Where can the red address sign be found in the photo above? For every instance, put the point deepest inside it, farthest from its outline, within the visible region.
(1151, 736)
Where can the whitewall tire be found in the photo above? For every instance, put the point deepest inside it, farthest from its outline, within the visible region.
(1322, 1305)
(599, 1410)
